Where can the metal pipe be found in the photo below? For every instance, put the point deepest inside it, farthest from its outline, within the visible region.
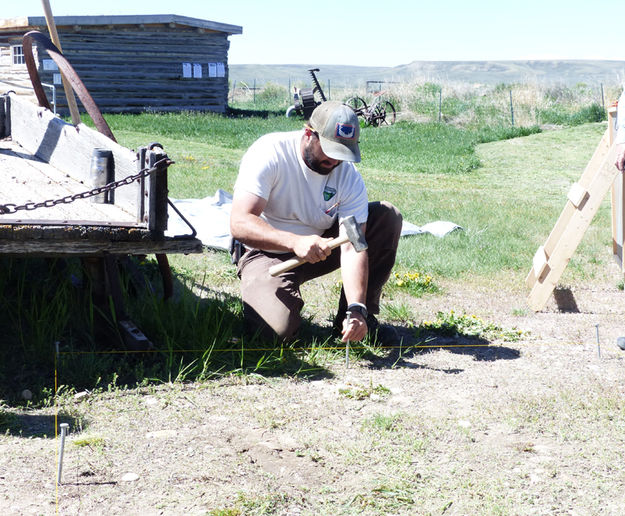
(348, 316)
(511, 110)
(64, 429)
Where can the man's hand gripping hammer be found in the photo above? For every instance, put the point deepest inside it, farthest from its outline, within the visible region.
(353, 234)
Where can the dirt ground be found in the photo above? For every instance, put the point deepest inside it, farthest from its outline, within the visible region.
(535, 426)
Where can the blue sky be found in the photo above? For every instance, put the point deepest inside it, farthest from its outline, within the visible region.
(388, 32)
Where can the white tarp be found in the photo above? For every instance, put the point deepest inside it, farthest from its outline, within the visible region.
(210, 217)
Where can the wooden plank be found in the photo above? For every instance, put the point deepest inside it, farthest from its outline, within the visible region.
(573, 232)
(164, 67)
(124, 20)
(116, 51)
(155, 97)
(569, 209)
(4, 130)
(617, 200)
(64, 247)
(151, 102)
(577, 195)
(157, 207)
(618, 218)
(27, 179)
(69, 148)
(146, 43)
(114, 55)
(88, 239)
(117, 224)
(540, 261)
(167, 108)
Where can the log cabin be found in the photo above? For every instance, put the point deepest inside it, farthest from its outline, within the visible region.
(129, 64)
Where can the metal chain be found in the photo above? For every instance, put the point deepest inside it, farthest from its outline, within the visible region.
(159, 165)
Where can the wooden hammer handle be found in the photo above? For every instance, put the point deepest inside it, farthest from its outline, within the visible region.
(294, 262)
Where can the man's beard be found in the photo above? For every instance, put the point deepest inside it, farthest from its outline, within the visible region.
(320, 166)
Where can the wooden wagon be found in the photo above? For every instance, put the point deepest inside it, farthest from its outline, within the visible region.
(70, 191)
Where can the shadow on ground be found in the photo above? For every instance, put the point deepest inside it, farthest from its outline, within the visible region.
(22, 424)
(413, 344)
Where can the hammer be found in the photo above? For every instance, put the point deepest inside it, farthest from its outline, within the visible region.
(352, 234)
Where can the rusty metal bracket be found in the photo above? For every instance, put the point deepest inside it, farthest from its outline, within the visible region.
(184, 219)
(68, 71)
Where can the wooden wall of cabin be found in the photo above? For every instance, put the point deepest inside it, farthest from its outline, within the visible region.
(136, 70)
(13, 77)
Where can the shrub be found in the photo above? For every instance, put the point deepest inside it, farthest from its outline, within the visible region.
(272, 93)
(559, 116)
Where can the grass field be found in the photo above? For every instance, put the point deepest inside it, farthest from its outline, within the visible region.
(431, 171)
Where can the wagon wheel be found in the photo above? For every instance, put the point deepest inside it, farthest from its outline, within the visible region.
(391, 114)
(357, 104)
(383, 114)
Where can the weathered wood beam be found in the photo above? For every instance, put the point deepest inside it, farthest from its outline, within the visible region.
(3, 128)
(69, 148)
(61, 247)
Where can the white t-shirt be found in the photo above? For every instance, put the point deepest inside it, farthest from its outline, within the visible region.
(299, 200)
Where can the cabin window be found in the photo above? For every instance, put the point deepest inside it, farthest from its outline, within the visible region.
(17, 53)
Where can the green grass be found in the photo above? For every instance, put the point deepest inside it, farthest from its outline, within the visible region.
(507, 207)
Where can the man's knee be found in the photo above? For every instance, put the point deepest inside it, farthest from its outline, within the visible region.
(287, 328)
(392, 215)
(281, 323)
(385, 221)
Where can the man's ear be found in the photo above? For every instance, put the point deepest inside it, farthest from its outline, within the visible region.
(308, 134)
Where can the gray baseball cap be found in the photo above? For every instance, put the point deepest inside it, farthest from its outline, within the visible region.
(338, 129)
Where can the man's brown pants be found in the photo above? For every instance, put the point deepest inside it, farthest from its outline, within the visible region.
(273, 304)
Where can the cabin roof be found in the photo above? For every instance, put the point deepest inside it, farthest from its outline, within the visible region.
(26, 22)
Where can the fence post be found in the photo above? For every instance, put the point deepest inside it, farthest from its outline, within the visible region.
(602, 97)
(511, 109)
(288, 92)
(234, 87)
(440, 104)
(329, 92)
(254, 90)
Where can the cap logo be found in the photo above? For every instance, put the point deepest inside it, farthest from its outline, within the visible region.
(347, 131)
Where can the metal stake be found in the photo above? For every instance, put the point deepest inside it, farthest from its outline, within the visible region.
(64, 429)
(348, 316)
(440, 104)
(598, 344)
(511, 109)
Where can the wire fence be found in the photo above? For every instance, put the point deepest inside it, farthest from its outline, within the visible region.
(457, 103)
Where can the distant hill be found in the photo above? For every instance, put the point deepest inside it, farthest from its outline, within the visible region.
(480, 72)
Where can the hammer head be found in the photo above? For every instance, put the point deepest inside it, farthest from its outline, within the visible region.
(354, 233)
